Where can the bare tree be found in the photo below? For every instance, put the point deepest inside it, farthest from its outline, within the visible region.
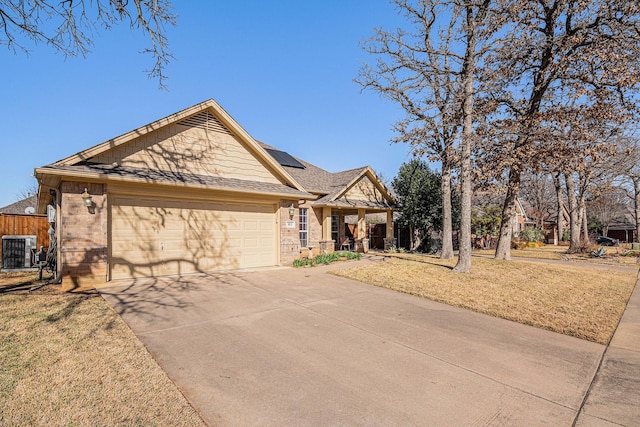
(582, 153)
(606, 202)
(429, 72)
(552, 54)
(557, 184)
(417, 69)
(68, 26)
(475, 14)
(629, 178)
(537, 190)
(28, 191)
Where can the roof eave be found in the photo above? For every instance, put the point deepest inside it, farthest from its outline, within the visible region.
(58, 175)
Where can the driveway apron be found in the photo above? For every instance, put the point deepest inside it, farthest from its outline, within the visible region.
(302, 347)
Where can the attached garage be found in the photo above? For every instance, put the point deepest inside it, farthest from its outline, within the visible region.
(157, 236)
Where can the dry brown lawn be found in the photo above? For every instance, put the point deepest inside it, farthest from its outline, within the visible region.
(68, 359)
(615, 254)
(574, 300)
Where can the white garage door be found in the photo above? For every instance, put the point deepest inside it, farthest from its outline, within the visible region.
(161, 236)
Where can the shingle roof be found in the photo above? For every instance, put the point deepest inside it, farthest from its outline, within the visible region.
(20, 206)
(159, 176)
(317, 180)
(329, 185)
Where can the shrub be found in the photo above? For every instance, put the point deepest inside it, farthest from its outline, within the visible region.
(303, 263)
(326, 259)
(351, 255)
(532, 234)
(516, 244)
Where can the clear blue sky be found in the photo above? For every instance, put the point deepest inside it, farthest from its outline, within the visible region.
(283, 69)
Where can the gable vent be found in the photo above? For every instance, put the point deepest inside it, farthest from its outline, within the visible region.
(207, 121)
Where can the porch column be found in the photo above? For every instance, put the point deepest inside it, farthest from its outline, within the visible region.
(326, 244)
(326, 223)
(362, 243)
(389, 241)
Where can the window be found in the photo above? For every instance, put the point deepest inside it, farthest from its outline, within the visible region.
(303, 215)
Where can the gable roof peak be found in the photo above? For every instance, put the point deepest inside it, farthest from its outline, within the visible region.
(216, 118)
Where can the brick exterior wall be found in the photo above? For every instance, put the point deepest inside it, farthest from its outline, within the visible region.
(290, 249)
(315, 227)
(83, 236)
(289, 237)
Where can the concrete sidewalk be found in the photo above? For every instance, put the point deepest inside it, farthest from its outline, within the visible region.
(614, 397)
(300, 347)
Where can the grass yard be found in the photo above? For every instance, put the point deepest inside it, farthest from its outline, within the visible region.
(68, 359)
(574, 300)
(544, 252)
(615, 254)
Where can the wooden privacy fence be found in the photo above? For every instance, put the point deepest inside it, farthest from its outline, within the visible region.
(25, 225)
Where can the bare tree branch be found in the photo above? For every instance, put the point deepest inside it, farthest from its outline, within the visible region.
(68, 26)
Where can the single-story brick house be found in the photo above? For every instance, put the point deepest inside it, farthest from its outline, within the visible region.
(194, 192)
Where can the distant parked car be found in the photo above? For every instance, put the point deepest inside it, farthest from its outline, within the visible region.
(607, 241)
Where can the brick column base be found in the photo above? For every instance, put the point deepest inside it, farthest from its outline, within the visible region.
(362, 245)
(327, 246)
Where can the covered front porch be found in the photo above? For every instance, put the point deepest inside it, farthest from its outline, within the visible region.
(338, 234)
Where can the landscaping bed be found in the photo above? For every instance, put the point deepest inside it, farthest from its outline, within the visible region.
(326, 259)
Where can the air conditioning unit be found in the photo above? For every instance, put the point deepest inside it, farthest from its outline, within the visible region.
(17, 251)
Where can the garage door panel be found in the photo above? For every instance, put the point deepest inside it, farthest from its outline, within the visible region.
(165, 236)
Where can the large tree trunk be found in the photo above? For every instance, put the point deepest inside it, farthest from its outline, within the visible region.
(464, 239)
(560, 206)
(412, 238)
(503, 249)
(636, 200)
(447, 232)
(574, 214)
(585, 224)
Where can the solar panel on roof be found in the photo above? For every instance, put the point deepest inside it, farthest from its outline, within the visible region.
(284, 158)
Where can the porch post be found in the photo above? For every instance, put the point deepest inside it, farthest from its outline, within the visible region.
(362, 244)
(326, 223)
(389, 241)
(326, 244)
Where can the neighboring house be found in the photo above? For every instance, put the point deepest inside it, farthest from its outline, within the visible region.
(623, 227)
(549, 220)
(17, 221)
(194, 192)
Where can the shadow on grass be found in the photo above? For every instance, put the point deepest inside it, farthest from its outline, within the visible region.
(421, 261)
(75, 301)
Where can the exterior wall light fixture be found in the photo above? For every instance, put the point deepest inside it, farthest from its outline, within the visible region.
(86, 198)
(292, 211)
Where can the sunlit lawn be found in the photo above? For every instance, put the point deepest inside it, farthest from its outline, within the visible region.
(614, 254)
(574, 300)
(68, 359)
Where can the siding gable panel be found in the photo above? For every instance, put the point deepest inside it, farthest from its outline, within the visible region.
(199, 145)
(363, 190)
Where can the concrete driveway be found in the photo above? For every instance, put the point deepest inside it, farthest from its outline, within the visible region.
(301, 347)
